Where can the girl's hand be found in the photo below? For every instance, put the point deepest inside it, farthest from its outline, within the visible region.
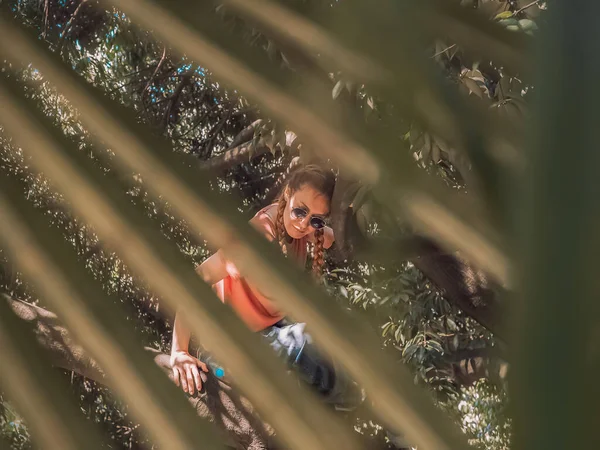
(185, 371)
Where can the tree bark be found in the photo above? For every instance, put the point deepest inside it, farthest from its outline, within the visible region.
(464, 286)
(233, 414)
(233, 157)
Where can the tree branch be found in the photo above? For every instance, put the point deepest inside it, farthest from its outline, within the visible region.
(200, 119)
(443, 51)
(160, 63)
(53, 336)
(69, 24)
(175, 99)
(464, 286)
(234, 415)
(245, 135)
(529, 5)
(232, 158)
(215, 133)
(220, 403)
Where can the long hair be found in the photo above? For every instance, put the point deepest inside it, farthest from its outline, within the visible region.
(323, 181)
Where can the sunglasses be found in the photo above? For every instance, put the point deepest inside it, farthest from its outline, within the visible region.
(315, 221)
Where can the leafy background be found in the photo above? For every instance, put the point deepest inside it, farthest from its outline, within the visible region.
(446, 348)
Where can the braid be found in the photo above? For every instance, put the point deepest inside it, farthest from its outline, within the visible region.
(281, 233)
(318, 253)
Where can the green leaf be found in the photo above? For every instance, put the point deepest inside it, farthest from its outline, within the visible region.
(435, 346)
(258, 124)
(528, 25)
(386, 328)
(398, 335)
(473, 86)
(337, 89)
(451, 324)
(409, 351)
(344, 291)
(508, 22)
(491, 8)
(371, 102)
(504, 15)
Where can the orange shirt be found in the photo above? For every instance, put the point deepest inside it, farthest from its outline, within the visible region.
(253, 308)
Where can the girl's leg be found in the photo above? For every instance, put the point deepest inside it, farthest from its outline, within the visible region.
(295, 346)
(292, 344)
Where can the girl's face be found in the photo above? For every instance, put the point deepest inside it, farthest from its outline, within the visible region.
(314, 206)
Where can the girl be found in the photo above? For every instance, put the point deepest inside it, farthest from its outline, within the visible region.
(295, 221)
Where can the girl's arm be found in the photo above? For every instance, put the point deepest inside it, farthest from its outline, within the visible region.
(184, 365)
(212, 270)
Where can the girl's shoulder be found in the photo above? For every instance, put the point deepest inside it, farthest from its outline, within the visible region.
(265, 220)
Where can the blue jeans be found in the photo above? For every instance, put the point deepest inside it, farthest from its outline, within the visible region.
(292, 344)
(295, 346)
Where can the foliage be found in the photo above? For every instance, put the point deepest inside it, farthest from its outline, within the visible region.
(483, 410)
(12, 427)
(434, 338)
(186, 103)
